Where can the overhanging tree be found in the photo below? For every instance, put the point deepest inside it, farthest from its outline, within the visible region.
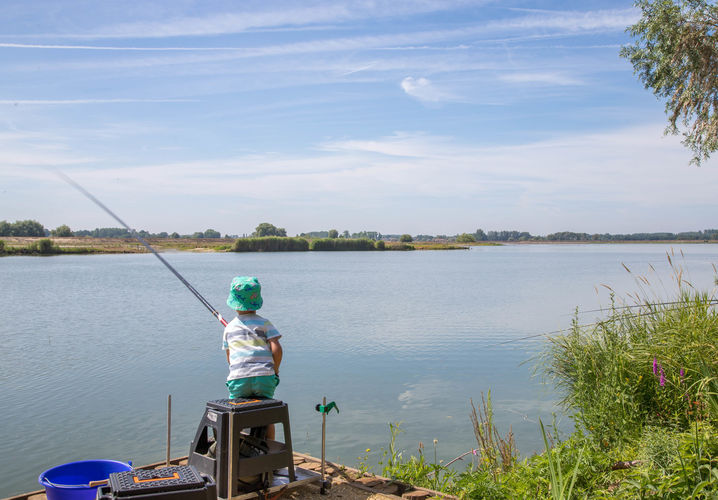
(676, 55)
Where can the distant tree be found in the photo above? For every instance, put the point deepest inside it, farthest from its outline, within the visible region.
(175, 235)
(371, 235)
(333, 233)
(62, 231)
(380, 245)
(22, 228)
(211, 233)
(346, 234)
(480, 235)
(267, 229)
(163, 234)
(465, 238)
(676, 55)
(406, 238)
(110, 232)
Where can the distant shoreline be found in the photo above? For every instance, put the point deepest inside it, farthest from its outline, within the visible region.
(86, 245)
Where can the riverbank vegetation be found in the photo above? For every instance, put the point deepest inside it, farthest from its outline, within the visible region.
(43, 246)
(641, 387)
(16, 245)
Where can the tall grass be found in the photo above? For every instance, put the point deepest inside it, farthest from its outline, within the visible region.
(653, 364)
(341, 244)
(270, 244)
(496, 453)
(283, 244)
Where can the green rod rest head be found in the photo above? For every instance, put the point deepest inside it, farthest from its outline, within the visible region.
(326, 408)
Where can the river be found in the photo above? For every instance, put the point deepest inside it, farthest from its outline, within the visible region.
(92, 345)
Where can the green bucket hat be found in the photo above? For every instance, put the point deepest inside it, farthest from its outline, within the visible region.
(245, 294)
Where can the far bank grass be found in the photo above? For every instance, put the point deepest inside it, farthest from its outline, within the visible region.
(88, 245)
(13, 245)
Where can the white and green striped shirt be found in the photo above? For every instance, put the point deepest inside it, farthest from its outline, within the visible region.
(246, 338)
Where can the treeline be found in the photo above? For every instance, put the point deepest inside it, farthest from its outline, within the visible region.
(330, 239)
(119, 232)
(34, 228)
(22, 228)
(705, 235)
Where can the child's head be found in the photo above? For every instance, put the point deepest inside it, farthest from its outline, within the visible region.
(245, 294)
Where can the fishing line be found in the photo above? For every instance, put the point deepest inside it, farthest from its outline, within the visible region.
(647, 304)
(134, 234)
(548, 334)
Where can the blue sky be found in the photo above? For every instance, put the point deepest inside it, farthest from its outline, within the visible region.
(428, 116)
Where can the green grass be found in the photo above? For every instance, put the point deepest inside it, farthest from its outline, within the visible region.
(44, 246)
(270, 244)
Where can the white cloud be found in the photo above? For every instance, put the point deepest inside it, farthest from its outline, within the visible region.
(424, 90)
(576, 180)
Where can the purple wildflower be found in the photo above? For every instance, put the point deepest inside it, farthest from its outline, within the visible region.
(682, 373)
(662, 381)
(655, 367)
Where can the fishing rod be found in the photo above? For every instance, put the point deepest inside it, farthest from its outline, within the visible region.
(204, 301)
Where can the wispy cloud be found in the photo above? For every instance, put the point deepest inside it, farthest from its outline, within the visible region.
(40, 102)
(572, 20)
(286, 15)
(110, 47)
(541, 78)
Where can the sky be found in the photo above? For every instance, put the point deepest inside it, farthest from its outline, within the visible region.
(397, 116)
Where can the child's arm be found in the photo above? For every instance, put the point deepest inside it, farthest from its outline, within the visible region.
(276, 349)
(227, 351)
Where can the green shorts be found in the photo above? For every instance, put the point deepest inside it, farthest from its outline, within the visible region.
(253, 387)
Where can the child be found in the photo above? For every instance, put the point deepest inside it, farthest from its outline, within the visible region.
(252, 345)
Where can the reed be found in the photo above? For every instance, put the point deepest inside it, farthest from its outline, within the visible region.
(653, 364)
(270, 244)
(341, 244)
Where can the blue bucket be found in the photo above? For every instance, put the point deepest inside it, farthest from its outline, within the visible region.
(72, 481)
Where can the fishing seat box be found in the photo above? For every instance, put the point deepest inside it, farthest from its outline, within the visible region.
(254, 458)
(182, 482)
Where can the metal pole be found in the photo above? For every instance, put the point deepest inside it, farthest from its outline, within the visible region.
(169, 427)
(324, 435)
(230, 455)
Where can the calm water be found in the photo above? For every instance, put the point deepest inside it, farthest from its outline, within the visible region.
(92, 345)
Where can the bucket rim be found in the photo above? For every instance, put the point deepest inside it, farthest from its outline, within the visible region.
(43, 480)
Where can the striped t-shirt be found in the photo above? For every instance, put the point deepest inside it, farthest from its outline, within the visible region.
(249, 354)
